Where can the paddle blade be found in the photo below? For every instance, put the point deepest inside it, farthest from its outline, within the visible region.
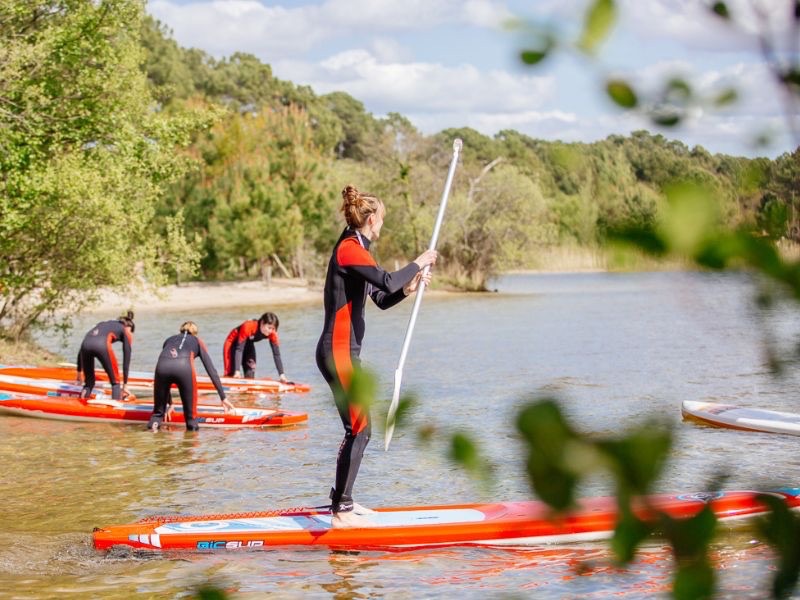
(392, 414)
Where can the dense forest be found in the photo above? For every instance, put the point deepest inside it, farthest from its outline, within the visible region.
(269, 173)
(121, 152)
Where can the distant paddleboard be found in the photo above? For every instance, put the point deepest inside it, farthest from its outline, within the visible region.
(498, 523)
(144, 381)
(106, 410)
(736, 417)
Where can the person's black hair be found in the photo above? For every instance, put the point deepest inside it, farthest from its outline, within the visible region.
(270, 318)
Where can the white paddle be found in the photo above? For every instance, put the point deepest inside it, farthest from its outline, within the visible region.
(398, 374)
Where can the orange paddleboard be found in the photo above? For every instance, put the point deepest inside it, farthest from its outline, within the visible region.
(499, 523)
(141, 380)
(105, 410)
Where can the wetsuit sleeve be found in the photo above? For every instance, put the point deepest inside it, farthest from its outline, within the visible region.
(383, 300)
(127, 341)
(238, 352)
(79, 364)
(209, 366)
(276, 352)
(388, 287)
(246, 329)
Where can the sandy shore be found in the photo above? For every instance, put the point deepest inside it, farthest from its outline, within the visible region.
(211, 295)
(280, 292)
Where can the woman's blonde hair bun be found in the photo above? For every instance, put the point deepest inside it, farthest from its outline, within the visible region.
(189, 327)
(358, 206)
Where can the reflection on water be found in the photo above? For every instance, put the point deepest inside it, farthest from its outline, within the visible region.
(613, 348)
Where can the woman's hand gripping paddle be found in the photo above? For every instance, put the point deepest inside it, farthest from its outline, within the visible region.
(398, 374)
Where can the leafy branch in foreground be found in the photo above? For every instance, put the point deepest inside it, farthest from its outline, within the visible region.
(677, 97)
(559, 458)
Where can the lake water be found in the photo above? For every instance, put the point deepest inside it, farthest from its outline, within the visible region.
(615, 349)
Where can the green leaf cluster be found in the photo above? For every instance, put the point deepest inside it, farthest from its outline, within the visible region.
(84, 155)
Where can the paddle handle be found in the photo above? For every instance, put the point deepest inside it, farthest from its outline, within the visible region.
(457, 144)
(398, 374)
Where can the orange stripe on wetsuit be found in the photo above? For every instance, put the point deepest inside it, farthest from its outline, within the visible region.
(352, 275)
(194, 384)
(110, 339)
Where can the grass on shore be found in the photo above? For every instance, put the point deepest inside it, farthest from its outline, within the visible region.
(26, 352)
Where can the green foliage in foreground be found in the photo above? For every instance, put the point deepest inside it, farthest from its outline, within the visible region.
(559, 458)
(689, 227)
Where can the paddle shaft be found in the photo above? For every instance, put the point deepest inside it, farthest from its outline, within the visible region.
(398, 374)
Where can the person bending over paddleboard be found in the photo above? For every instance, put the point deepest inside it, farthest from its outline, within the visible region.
(352, 275)
(176, 366)
(239, 348)
(97, 344)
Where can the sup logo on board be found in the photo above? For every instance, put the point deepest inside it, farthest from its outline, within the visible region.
(704, 497)
(230, 545)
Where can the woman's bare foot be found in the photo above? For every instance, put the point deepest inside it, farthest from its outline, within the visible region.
(362, 510)
(349, 519)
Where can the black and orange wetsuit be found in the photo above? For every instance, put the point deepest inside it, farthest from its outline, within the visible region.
(97, 344)
(352, 275)
(239, 349)
(176, 366)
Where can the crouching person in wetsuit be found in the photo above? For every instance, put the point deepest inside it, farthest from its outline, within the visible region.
(239, 352)
(97, 345)
(176, 366)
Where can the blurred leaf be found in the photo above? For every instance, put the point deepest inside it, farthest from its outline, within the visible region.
(540, 45)
(791, 77)
(532, 57)
(694, 581)
(666, 118)
(677, 90)
(548, 436)
(210, 592)
(721, 10)
(726, 97)
(600, 18)
(689, 219)
(464, 452)
(638, 457)
(690, 540)
(781, 528)
(363, 388)
(763, 139)
(640, 237)
(621, 93)
(720, 252)
(629, 532)
(762, 254)
(690, 537)
(797, 10)
(405, 406)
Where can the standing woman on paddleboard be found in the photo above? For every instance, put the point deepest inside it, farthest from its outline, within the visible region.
(97, 344)
(239, 350)
(352, 275)
(176, 366)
